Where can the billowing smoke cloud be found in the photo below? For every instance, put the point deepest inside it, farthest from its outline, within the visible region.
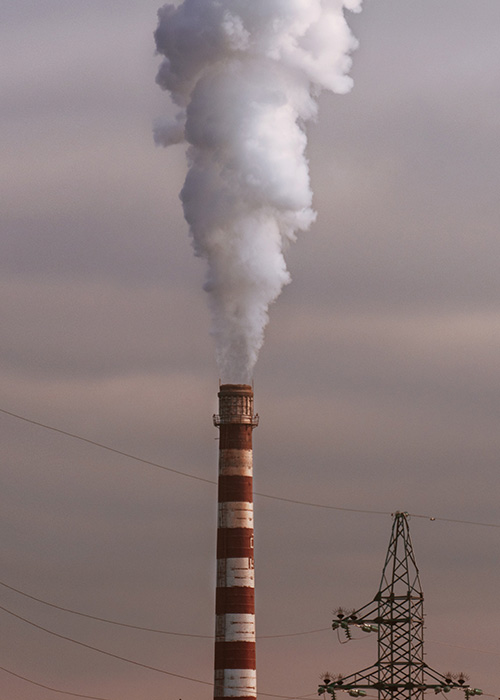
(246, 75)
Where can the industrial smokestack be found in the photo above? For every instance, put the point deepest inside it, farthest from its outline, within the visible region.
(235, 668)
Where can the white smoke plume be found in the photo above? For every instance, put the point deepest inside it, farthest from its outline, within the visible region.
(246, 75)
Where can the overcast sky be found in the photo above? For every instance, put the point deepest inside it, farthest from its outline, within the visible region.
(378, 385)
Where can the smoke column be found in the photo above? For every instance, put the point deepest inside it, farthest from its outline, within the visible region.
(246, 75)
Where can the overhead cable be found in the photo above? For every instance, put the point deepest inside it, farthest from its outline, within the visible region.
(102, 651)
(131, 661)
(94, 697)
(106, 447)
(206, 636)
(47, 687)
(256, 493)
(146, 629)
(102, 619)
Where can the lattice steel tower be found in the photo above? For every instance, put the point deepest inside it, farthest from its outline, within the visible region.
(396, 614)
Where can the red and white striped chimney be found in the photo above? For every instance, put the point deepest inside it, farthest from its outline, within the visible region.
(235, 670)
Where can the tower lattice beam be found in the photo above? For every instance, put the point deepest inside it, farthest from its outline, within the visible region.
(396, 614)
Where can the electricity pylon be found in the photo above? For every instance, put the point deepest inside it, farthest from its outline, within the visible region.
(396, 614)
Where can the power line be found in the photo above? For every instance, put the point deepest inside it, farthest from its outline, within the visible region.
(102, 651)
(106, 447)
(93, 697)
(142, 628)
(131, 661)
(457, 646)
(292, 634)
(102, 619)
(321, 505)
(256, 493)
(453, 520)
(47, 687)
(175, 471)
(204, 636)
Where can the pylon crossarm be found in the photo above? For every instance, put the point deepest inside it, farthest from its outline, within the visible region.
(445, 683)
(364, 618)
(440, 677)
(361, 679)
(367, 679)
(466, 690)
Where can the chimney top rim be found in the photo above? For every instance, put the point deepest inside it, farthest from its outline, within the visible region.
(235, 389)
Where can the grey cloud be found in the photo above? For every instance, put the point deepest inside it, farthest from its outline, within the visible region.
(377, 385)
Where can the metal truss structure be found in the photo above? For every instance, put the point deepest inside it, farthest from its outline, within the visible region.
(396, 614)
